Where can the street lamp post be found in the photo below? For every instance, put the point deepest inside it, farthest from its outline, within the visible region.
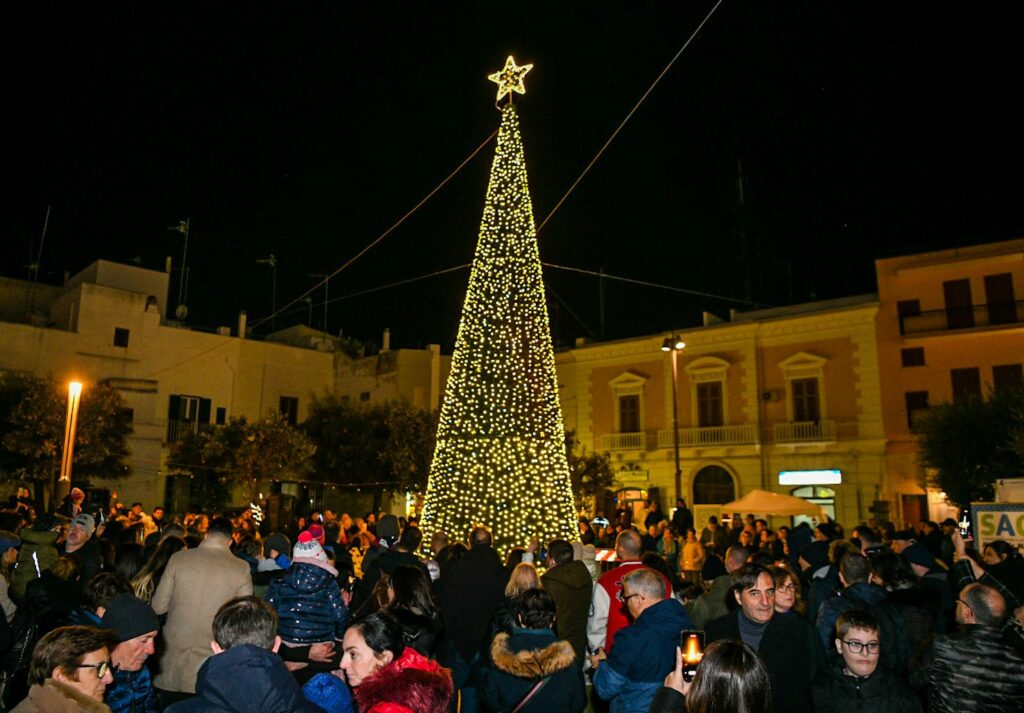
(675, 344)
(70, 426)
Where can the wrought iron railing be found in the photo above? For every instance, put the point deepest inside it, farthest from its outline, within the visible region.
(967, 317)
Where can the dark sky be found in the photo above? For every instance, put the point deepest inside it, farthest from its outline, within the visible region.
(306, 129)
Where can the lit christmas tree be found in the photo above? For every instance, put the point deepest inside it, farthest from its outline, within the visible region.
(500, 458)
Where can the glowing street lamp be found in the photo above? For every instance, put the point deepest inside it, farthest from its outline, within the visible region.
(70, 426)
(675, 345)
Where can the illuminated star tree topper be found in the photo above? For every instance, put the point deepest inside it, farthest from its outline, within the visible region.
(510, 78)
(500, 458)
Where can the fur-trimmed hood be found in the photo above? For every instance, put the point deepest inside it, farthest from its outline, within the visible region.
(531, 663)
(56, 697)
(410, 682)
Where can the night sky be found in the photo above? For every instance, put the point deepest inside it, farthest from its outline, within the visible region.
(306, 129)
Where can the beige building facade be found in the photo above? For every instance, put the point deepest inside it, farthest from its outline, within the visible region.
(785, 400)
(106, 324)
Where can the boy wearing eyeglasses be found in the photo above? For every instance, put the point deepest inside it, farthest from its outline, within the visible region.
(855, 681)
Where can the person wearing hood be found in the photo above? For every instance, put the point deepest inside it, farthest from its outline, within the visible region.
(860, 593)
(568, 582)
(533, 662)
(308, 603)
(245, 674)
(38, 553)
(644, 652)
(932, 577)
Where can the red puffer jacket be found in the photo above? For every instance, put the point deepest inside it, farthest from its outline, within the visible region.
(409, 684)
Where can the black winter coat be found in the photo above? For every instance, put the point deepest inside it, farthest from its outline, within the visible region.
(519, 662)
(245, 679)
(571, 587)
(791, 651)
(881, 692)
(972, 669)
(468, 593)
(875, 600)
(419, 631)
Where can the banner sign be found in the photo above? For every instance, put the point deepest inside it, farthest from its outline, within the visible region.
(998, 521)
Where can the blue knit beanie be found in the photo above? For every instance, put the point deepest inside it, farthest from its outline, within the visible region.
(329, 692)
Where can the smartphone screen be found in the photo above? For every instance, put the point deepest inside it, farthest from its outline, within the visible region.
(691, 643)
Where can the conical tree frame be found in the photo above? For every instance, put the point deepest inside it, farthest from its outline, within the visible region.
(500, 458)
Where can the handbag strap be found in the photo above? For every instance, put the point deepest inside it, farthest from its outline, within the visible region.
(532, 692)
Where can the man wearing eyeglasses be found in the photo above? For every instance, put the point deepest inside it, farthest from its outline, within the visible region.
(977, 667)
(630, 674)
(69, 671)
(860, 592)
(788, 646)
(136, 626)
(856, 682)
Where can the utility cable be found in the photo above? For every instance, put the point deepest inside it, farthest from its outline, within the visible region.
(630, 115)
(645, 283)
(386, 233)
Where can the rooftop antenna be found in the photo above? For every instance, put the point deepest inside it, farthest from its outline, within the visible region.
(327, 287)
(33, 264)
(182, 227)
(272, 261)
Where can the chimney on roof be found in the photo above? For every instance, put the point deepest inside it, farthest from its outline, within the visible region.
(241, 324)
(386, 341)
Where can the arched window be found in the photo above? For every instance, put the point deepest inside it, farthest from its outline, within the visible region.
(713, 486)
(819, 495)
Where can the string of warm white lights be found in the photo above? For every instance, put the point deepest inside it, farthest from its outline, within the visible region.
(500, 457)
(509, 79)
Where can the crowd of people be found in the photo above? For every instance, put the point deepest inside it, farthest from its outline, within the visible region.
(135, 612)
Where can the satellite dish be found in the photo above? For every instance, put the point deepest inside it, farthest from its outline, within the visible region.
(181, 312)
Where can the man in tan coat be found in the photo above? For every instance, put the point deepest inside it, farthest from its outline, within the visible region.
(194, 586)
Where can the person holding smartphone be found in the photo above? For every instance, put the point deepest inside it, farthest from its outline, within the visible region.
(631, 673)
(730, 677)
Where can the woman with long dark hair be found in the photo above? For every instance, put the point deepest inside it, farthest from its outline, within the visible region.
(389, 676)
(411, 603)
(730, 679)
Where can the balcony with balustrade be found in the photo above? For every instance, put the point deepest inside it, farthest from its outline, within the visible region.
(985, 316)
(710, 436)
(635, 441)
(804, 432)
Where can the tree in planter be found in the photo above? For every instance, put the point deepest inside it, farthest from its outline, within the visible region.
(591, 472)
(34, 433)
(241, 453)
(971, 443)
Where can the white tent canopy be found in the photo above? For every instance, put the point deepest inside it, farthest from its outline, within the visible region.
(769, 503)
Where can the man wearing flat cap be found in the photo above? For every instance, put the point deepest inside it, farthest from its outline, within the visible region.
(137, 628)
